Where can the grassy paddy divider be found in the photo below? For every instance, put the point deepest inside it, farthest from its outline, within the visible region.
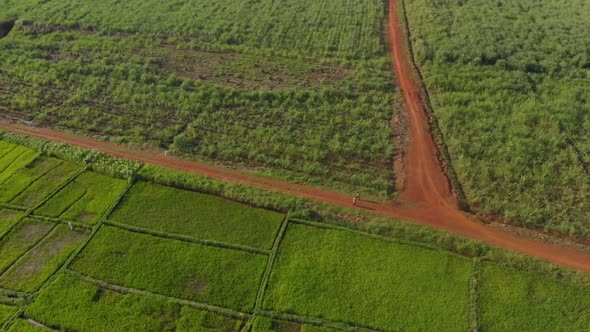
(13, 206)
(74, 254)
(473, 320)
(267, 271)
(61, 221)
(185, 238)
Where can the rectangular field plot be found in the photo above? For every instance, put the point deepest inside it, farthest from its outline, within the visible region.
(346, 277)
(70, 304)
(218, 276)
(20, 239)
(31, 184)
(7, 218)
(85, 199)
(14, 159)
(32, 269)
(177, 211)
(512, 300)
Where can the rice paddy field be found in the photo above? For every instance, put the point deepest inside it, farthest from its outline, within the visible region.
(195, 262)
(300, 90)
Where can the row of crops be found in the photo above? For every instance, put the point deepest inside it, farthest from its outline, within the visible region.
(509, 83)
(296, 89)
(143, 256)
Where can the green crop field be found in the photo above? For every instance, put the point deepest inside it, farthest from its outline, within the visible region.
(20, 239)
(73, 304)
(15, 159)
(183, 212)
(512, 300)
(305, 94)
(337, 276)
(31, 184)
(7, 219)
(223, 277)
(509, 83)
(32, 269)
(85, 199)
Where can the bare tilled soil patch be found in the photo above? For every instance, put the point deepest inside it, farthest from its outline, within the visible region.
(246, 72)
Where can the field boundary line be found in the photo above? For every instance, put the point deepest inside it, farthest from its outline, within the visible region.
(35, 245)
(315, 321)
(73, 255)
(37, 154)
(13, 207)
(9, 151)
(61, 221)
(473, 296)
(266, 275)
(185, 238)
(128, 290)
(30, 210)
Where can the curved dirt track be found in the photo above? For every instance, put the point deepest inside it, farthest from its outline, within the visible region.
(427, 199)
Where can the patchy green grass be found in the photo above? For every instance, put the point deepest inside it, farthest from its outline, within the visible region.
(208, 217)
(265, 324)
(219, 276)
(8, 218)
(26, 176)
(14, 160)
(85, 199)
(22, 325)
(342, 276)
(71, 304)
(31, 270)
(512, 300)
(6, 312)
(38, 188)
(20, 239)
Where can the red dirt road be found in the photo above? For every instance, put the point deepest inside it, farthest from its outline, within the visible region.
(427, 199)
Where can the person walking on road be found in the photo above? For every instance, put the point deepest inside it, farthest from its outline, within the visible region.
(354, 199)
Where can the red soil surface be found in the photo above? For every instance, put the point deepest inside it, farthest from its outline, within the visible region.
(427, 200)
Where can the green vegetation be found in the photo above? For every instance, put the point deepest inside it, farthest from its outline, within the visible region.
(183, 212)
(38, 264)
(22, 325)
(85, 199)
(508, 82)
(337, 275)
(6, 312)
(219, 276)
(20, 239)
(31, 184)
(14, 159)
(511, 300)
(310, 101)
(7, 219)
(72, 304)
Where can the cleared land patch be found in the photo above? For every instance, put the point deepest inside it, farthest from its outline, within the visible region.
(20, 239)
(72, 304)
(341, 276)
(219, 276)
(85, 199)
(177, 211)
(511, 300)
(265, 324)
(31, 270)
(31, 184)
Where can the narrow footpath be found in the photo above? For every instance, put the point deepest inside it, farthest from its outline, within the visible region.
(427, 199)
